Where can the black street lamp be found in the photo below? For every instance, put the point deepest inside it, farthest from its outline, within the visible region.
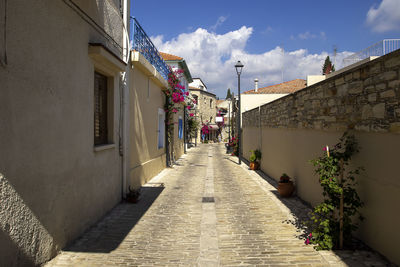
(239, 67)
(229, 117)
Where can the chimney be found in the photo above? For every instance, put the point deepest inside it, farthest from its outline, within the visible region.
(256, 84)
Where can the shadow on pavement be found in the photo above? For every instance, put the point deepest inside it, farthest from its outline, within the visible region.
(112, 229)
(234, 161)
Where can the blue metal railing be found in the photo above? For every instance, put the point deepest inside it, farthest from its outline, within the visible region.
(379, 49)
(142, 43)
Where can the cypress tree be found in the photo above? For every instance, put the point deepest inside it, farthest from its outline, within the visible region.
(228, 94)
(328, 67)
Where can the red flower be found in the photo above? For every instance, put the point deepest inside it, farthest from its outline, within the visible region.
(191, 114)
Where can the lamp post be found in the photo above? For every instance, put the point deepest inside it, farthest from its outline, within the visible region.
(195, 119)
(239, 67)
(184, 129)
(229, 118)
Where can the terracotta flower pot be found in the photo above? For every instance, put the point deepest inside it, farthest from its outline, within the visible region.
(286, 189)
(254, 165)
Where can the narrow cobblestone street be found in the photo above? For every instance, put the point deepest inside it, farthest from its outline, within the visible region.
(205, 211)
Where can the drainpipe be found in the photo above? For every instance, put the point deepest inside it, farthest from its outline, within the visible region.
(259, 126)
(197, 130)
(184, 130)
(125, 100)
(167, 158)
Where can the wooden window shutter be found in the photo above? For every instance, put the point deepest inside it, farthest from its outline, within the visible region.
(100, 109)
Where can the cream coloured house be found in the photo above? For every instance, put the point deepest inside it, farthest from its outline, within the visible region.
(147, 142)
(62, 77)
(180, 118)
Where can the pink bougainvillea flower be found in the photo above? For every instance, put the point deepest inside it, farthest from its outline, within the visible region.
(186, 93)
(174, 110)
(188, 107)
(307, 241)
(191, 114)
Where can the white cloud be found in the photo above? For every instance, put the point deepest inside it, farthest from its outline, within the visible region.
(219, 22)
(267, 30)
(212, 57)
(386, 17)
(307, 35)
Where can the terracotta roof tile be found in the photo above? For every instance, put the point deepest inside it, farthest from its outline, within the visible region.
(281, 88)
(167, 57)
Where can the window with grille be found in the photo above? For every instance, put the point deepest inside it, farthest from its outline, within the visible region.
(100, 109)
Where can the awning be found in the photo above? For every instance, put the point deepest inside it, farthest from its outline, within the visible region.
(213, 127)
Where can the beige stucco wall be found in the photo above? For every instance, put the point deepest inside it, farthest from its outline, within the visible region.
(146, 98)
(48, 166)
(289, 151)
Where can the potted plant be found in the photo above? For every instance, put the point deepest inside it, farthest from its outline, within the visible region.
(254, 159)
(133, 195)
(232, 146)
(285, 186)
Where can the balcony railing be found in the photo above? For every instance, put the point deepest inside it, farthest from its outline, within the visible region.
(379, 49)
(142, 43)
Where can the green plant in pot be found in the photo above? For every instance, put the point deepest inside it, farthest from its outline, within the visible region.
(133, 195)
(255, 158)
(285, 186)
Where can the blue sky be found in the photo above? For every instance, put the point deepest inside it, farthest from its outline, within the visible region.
(213, 35)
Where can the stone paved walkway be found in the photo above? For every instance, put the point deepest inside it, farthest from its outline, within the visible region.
(206, 211)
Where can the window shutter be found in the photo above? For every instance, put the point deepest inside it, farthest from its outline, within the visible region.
(100, 109)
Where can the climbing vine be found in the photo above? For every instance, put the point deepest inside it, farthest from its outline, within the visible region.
(176, 99)
(332, 221)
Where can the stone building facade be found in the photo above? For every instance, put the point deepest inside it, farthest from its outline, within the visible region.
(206, 110)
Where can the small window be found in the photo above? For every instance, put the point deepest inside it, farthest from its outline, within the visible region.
(100, 109)
(180, 129)
(161, 128)
(210, 103)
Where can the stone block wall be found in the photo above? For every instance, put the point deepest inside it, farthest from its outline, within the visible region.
(366, 98)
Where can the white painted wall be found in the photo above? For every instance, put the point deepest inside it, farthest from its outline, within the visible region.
(197, 83)
(250, 101)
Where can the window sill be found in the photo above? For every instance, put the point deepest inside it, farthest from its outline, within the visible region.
(99, 148)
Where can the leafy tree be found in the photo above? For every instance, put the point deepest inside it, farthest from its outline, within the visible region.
(328, 67)
(228, 94)
(193, 127)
